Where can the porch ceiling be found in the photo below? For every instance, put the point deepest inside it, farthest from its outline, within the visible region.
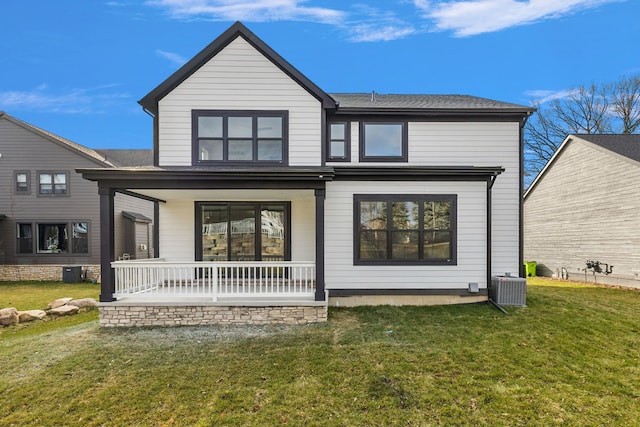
(227, 195)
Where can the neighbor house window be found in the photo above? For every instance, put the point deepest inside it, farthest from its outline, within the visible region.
(53, 183)
(339, 149)
(24, 235)
(383, 142)
(405, 229)
(23, 182)
(53, 238)
(240, 137)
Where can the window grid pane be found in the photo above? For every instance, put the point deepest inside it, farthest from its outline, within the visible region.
(240, 138)
(397, 229)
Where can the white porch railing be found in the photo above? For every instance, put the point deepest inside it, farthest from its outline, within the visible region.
(158, 279)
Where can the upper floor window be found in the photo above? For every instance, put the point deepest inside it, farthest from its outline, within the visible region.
(383, 142)
(53, 183)
(339, 149)
(22, 182)
(405, 229)
(256, 137)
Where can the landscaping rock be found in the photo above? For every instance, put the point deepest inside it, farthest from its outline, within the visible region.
(9, 316)
(63, 310)
(29, 315)
(84, 302)
(59, 302)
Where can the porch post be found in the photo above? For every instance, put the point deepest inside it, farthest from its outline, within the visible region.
(107, 249)
(320, 293)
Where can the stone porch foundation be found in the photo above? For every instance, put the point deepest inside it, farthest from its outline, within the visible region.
(123, 314)
(44, 272)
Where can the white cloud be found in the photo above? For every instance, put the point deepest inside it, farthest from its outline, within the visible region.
(254, 11)
(373, 33)
(172, 57)
(74, 101)
(542, 96)
(471, 17)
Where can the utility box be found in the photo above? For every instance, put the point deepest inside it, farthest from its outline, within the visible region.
(72, 274)
(507, 290)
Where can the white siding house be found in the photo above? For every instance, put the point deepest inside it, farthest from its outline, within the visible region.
(277, 199)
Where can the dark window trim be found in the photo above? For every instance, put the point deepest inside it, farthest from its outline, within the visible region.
(357, 198)
(256, 205)
(67, 192)
(404, 157)
(347, 141)
(34, 238)
(225, 114)
(15, 182)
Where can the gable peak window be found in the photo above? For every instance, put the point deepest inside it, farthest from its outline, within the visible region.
(53, 183)
(22, 182)
(240, 137)
(383, 142)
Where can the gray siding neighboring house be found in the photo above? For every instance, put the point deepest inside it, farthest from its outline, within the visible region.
(584, 206)
(50, 216)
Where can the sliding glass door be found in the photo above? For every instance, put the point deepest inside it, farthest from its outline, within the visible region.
(239, 231)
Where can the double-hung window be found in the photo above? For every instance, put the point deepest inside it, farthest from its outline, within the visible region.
(383, 142)
(339, 147)
(53, 183)
(240, 137)
(405, 229)
(22, 182)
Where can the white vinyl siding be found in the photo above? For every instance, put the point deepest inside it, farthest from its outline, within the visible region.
(177, 220)
(340, 273)
(239, 78)
(472, 144)
(585, 207)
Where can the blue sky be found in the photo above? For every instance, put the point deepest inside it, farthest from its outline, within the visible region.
(78, 67)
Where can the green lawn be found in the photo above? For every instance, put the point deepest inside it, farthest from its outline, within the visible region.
(571, 357)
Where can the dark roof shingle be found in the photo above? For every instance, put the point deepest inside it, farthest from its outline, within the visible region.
(375, 101)
(124, 157)
(623, 144)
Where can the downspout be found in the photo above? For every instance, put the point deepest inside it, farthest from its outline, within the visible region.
(521, 271)
(490, 182)
(156, 151)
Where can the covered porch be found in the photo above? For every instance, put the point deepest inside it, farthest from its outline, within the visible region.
(246, 244)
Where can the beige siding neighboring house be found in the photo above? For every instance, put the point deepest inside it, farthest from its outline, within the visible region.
(583, 207)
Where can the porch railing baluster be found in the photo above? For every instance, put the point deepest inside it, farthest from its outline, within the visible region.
(157, 278)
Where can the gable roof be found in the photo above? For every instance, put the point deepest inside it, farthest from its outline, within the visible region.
(359, 102)
(63, 142)
(625, 145)
(150, 101)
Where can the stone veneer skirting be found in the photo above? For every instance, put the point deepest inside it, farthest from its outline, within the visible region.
(43, 272)
(121, 314)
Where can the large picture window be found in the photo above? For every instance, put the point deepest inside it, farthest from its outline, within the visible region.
(255, 137)
(383, 142)
(405, 229)
(53, 238)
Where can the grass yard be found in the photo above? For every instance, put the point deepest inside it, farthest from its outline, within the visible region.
(571, 357)
(36, 296)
